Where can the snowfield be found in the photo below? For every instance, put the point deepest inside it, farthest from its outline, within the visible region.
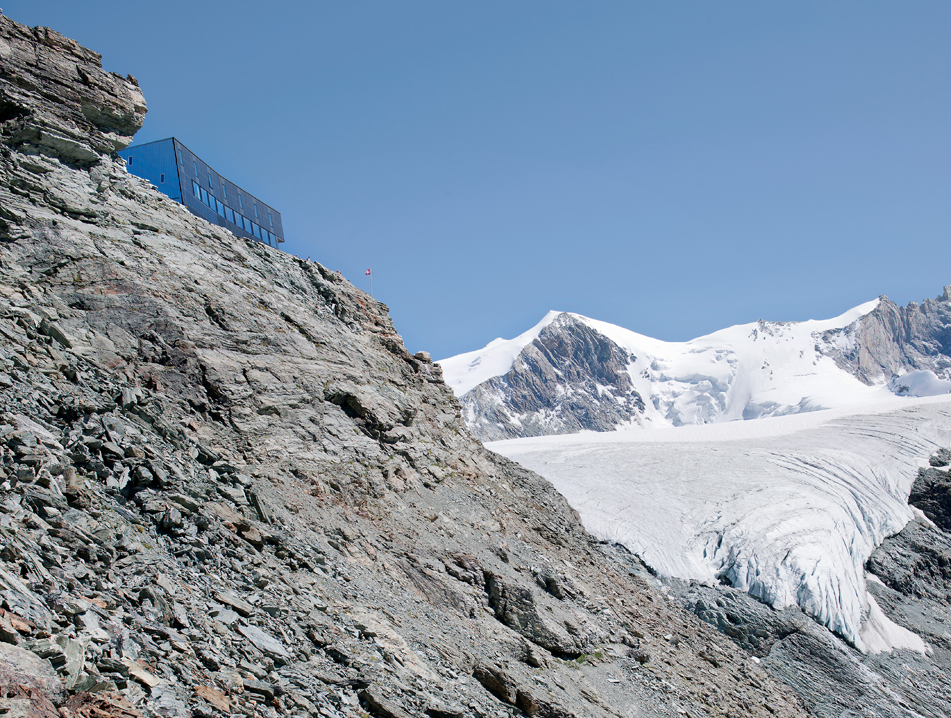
(786, 508)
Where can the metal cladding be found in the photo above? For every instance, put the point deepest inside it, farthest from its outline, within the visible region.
(179, 173)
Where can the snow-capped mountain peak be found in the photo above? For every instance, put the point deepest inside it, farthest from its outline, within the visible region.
(466, 371)
(788, 509)
(571, 373)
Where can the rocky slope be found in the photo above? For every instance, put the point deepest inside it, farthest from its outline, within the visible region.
(228, 489)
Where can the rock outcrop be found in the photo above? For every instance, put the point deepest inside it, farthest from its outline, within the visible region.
(931, 493)
(892, 340)
(226, 488)
(570, 378)
(55, 98)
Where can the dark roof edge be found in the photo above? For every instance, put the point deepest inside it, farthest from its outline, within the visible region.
(222, 176)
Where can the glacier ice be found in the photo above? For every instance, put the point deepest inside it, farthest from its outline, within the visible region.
(919, 383)
(786, 508)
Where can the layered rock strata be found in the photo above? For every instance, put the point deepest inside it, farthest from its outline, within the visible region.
(55, 98)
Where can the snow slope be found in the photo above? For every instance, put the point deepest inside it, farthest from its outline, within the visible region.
(466, 371)
(786, 508)
(743, 372)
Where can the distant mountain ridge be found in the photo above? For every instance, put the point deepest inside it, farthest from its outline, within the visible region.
(891, 341)
(570, 373)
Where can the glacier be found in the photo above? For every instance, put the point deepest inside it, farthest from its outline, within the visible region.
(787, 508)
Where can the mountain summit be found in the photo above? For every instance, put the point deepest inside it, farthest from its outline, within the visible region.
(570, 373)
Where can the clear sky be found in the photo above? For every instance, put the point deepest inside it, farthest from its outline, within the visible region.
(674, 168)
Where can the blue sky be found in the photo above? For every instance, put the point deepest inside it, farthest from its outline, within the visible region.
(674, 168)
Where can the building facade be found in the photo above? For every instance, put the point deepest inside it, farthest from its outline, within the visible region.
(179, 173)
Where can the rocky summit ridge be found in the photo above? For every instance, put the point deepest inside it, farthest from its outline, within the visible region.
(226, 488)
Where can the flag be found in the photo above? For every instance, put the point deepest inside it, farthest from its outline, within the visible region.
(367, 272)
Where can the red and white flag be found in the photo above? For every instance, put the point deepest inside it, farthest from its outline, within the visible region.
(367, 272)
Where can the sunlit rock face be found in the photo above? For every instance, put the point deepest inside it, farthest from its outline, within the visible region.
(56, 99)
(891, 341)
(570, 378)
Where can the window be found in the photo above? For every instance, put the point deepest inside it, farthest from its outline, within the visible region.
(220, 208)
(224, 190)
(255, 211)
(269, 220)
(257, 230)
(181, 160)
(240, 202)
(229, 214)
(129, 161)
(162, 178)
(196, 167)
(196, 189)
(210, 183)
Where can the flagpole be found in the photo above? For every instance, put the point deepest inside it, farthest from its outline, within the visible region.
(371, 282)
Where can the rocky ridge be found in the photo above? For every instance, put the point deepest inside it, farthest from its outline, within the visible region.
(226, 488)
(55, 98)
(892, 340)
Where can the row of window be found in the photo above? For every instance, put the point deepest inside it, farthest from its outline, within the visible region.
(224, 190)
(236, 218)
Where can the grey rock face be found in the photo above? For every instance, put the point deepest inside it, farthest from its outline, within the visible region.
(931, 493)
(892, 340)
(916, 562)
(22, 671)
(226, 488)
(570, 378)
(543, 623)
